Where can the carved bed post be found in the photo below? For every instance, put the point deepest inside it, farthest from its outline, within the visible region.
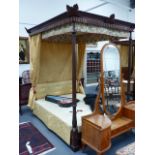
(74, 140)
(129, 62)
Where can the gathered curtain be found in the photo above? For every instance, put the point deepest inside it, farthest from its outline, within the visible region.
(35, 46)
(51, 68)
(81, 55)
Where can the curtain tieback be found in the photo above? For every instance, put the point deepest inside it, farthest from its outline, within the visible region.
(34, 89)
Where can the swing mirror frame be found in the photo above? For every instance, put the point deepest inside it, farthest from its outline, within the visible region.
(102, 85)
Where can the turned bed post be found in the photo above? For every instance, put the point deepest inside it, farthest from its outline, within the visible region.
(129, 62)
(74, 140)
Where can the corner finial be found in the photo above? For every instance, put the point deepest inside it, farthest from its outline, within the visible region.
(27, 30)
(112, 18)
(72, 11)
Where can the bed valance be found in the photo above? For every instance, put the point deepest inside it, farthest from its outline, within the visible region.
(63, 33)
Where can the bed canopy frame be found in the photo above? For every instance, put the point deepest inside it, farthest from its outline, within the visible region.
(66, 31)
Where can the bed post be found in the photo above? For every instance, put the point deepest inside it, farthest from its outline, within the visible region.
(74, 138)
(129, 62)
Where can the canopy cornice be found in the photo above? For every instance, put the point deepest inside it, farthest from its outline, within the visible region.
(73, 15)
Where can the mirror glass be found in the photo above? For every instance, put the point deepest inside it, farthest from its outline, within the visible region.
(111, 69)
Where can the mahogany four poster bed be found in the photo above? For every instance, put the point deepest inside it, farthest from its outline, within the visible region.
(57, 50)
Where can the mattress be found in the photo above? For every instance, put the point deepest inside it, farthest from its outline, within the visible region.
(59, 119)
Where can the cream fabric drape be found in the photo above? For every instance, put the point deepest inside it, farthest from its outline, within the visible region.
(123, 55)
(35, 46)
(55, 62)
(81, 55)
(51, 68)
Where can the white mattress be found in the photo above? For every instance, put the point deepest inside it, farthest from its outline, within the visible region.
(59, 119)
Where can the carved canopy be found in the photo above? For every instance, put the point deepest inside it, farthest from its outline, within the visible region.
(97, 27)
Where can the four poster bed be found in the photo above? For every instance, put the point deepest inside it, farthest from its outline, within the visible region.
(57, 50)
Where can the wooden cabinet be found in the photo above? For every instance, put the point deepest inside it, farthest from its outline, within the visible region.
(96, 132)
(120, 125)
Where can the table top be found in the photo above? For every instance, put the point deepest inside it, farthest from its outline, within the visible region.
(99, 120)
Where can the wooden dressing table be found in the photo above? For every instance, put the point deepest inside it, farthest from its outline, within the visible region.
(96, 132)
(99, 128)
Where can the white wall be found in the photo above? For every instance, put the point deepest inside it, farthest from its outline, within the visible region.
(120, 8)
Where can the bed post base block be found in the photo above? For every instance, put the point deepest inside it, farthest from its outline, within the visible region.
(75, 140)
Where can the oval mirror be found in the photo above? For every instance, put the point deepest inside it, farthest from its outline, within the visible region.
(110, 63)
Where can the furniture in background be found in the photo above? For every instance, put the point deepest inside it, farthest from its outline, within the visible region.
(93, 67)
(130, 95)
(20, 80)
(24, 87)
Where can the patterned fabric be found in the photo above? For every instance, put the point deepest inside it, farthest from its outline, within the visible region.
(127, 150)
(101, 32)
(38, 143)
(26, 77)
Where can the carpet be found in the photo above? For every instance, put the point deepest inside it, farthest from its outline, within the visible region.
(127, 150)
(31, 141)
